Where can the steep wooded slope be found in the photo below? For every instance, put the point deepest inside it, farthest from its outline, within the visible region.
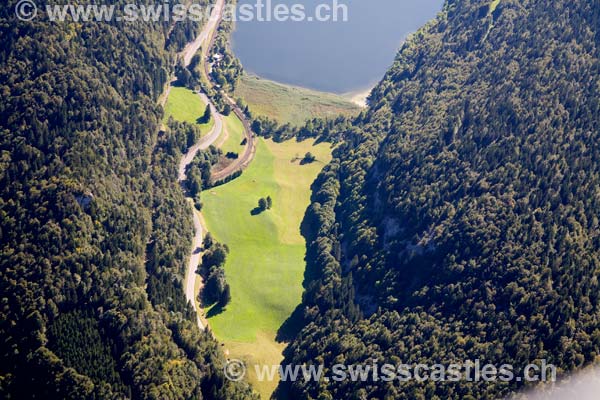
(460, 219)
(94, 229)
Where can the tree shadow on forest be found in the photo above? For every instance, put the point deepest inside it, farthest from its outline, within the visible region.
(292, 326)
(295, 322)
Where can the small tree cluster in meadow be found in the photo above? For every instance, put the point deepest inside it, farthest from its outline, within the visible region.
(216, 288)
(265, 203)
(309, 158)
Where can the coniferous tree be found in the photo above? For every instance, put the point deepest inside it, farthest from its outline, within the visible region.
(269, 202)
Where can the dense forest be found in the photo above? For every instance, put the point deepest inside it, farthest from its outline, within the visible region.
(94, 228)
(460, 218)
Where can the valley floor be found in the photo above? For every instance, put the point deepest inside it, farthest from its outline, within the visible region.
(265, 267)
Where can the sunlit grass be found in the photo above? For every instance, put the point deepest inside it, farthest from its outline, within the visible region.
(186, 106)
(265, 267)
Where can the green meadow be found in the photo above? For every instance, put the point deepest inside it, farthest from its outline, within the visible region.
(232, 140)
(186, 106)
(265, 266)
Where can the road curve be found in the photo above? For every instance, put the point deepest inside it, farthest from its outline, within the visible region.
(241, 162)
(204, 142)
(188, 53)
(209, 33)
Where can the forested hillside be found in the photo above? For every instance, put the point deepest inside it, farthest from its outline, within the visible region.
(94, 228)
(459, 221)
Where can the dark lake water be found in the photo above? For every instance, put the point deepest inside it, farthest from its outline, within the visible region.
(336, 57)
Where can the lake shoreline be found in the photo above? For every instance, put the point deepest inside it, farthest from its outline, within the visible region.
(331, 57)
(358, 96)
(292, 104)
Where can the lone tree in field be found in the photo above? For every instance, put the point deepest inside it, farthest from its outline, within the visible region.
(262, 204)
(269, 202)
(206, 116)
(309, 158)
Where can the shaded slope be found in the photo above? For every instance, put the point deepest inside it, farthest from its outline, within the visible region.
(460, 220)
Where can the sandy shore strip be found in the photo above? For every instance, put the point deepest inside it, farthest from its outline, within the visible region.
(359, 97)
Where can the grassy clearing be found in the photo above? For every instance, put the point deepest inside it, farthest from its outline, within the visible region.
(235, 135)
(494, 5)
(290, 104)
(186, 106)
(266, 264)
(270, 353)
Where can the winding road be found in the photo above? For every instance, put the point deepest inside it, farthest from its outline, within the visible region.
(190, 275)
(205, 142)
(208, 33)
